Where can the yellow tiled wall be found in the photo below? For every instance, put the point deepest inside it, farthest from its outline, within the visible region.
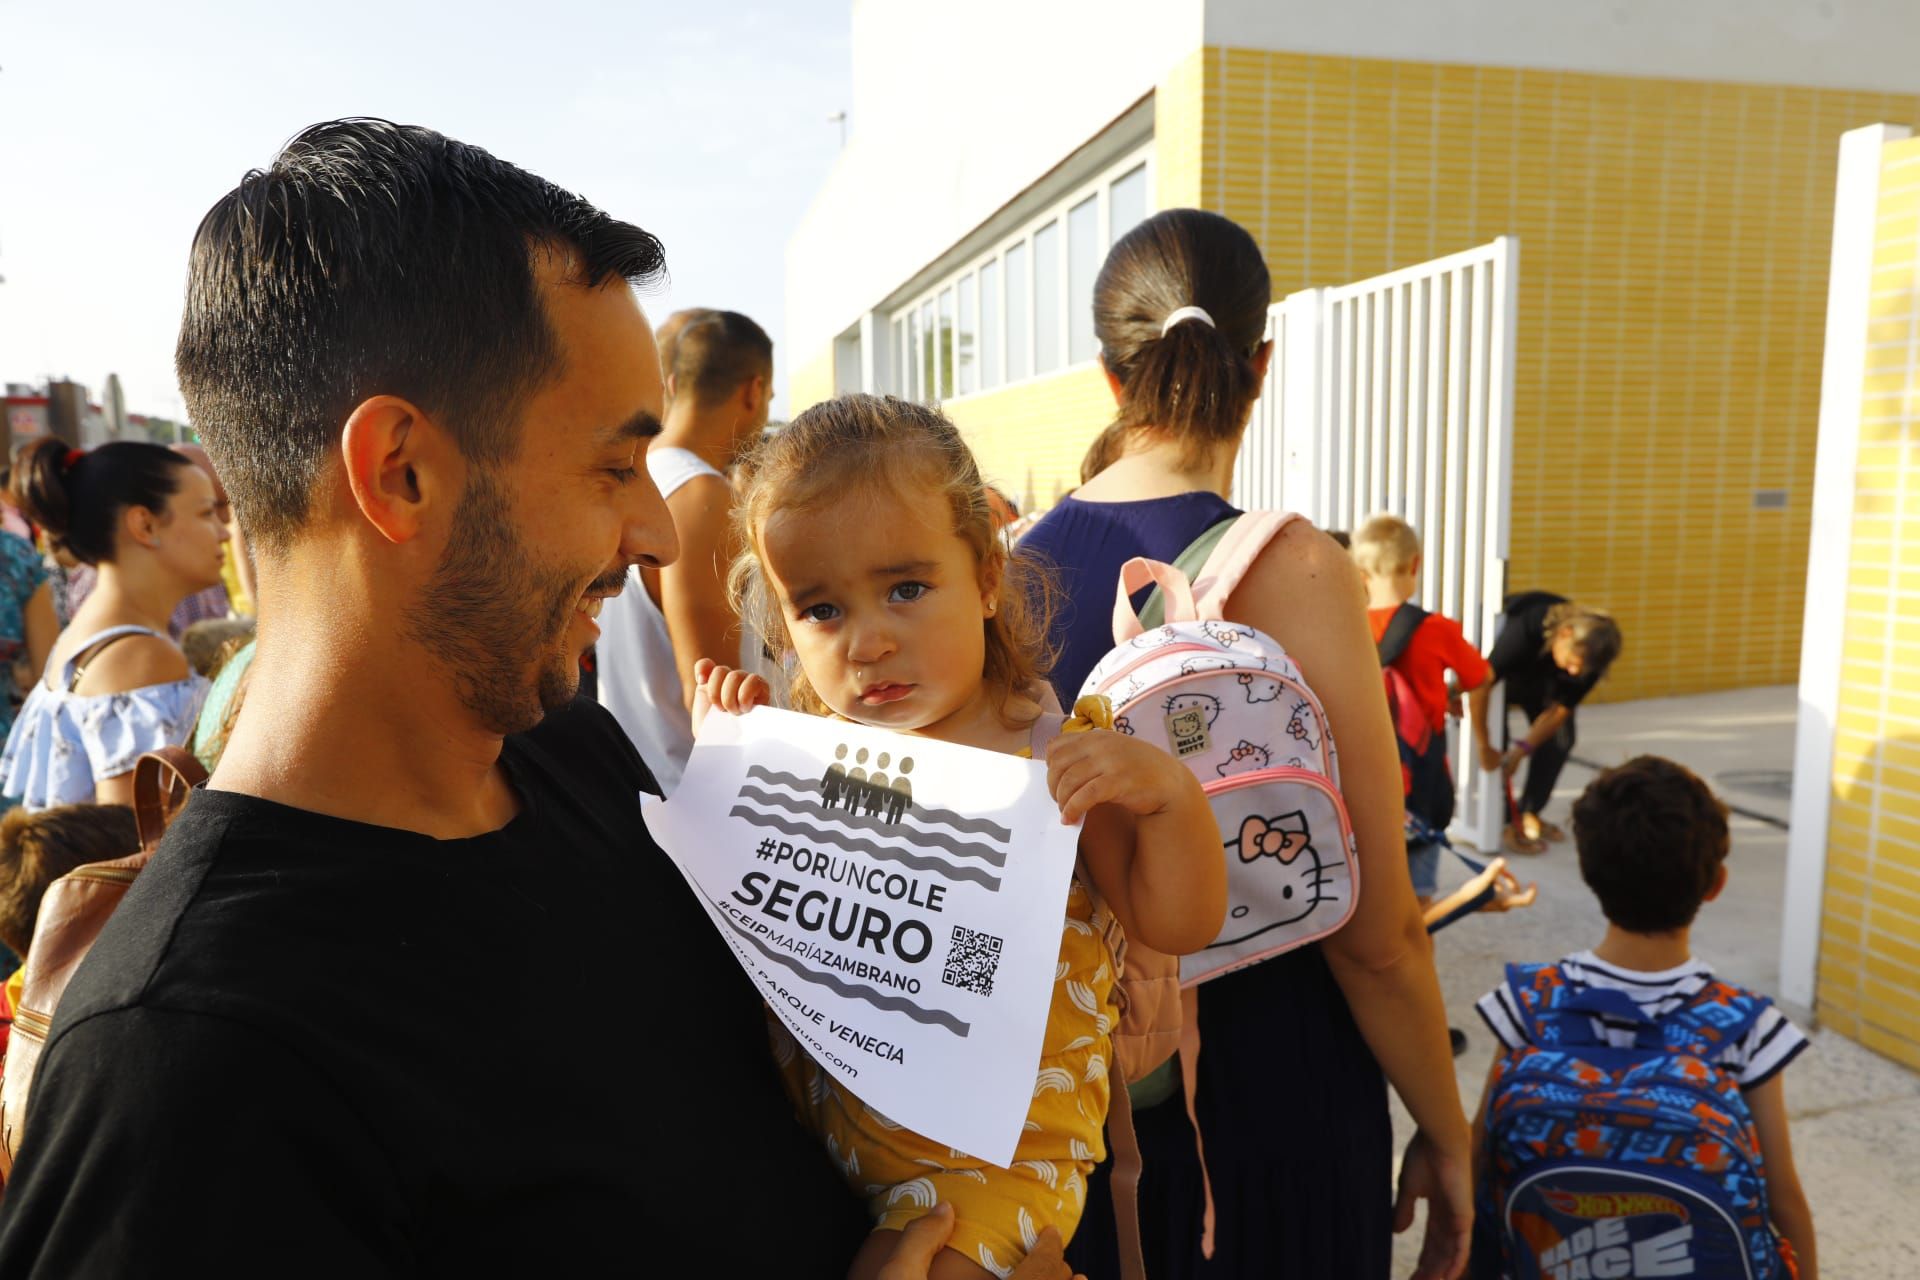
(1674, 239)
(1869, 984)
(1030, 438)
(810, 383)
(1181, 110)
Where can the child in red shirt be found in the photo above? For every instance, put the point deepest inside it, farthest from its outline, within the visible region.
(1388, 552)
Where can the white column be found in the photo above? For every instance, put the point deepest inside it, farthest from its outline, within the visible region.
(1856, 207)
(1302, 435)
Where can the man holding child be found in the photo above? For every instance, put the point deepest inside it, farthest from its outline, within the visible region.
(408, 989)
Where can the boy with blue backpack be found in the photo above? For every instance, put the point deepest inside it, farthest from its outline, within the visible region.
(1635, 1124)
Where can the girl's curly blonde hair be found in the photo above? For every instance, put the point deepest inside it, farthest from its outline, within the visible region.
(858, 444)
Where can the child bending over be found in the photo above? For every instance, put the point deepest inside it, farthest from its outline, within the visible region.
(872, 564)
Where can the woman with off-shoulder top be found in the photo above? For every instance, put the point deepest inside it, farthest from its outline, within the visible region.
(114, 685)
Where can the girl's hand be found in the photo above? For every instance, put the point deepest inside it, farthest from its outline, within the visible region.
(1101, 767)
(733, 691)
(1489, 758)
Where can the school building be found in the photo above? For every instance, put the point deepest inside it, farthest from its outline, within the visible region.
(1668, 170)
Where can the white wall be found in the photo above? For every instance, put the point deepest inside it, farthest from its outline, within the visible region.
(1840, 44)
(956, 110)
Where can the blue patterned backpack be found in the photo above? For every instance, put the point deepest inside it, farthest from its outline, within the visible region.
(1637, 1161)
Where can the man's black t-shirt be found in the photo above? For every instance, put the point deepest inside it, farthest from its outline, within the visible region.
(306, 1046)
(1521, 658)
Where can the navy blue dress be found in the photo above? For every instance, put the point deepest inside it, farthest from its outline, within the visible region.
(1292, 1105)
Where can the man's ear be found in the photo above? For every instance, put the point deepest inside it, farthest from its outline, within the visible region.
(397, 462)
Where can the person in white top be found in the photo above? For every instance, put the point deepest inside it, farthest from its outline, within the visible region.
(718, 369)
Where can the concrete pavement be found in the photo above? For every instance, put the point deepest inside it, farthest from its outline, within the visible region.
(1856, 1115)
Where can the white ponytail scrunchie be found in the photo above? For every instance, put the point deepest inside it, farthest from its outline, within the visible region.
(1185, 313)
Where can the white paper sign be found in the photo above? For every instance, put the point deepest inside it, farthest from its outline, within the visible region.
(898, 901)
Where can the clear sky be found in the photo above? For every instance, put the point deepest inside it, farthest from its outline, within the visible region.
(122, 120)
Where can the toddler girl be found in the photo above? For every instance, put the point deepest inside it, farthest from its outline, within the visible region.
(871, 562)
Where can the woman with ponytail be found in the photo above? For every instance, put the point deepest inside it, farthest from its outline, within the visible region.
(1291, 1099)
(114, 686)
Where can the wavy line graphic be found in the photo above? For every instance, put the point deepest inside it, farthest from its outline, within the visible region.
(921, 813)
(813, 809)
(857, 845)
(855, 990)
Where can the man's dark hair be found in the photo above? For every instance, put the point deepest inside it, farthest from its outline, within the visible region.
(717, 353)
(375, 258)
(1651, 838)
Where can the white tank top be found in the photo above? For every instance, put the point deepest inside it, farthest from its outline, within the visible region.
(639, 681)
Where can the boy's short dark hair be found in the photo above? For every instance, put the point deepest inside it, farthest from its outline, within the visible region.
(1651, 838)
(718, 352)
(38, 848)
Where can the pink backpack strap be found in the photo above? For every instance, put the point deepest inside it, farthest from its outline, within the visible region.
(1137, 573)
(1235, 554)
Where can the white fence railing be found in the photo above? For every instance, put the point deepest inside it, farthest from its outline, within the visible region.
(1396, 394)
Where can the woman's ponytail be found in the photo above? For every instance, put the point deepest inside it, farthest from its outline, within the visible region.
(39, 485)
(77, 497)
(1180, 308)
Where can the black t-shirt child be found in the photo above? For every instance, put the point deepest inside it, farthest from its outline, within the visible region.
(1521, 657)
(307, 1046)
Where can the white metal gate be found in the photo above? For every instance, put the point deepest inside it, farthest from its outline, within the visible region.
(1396, 394)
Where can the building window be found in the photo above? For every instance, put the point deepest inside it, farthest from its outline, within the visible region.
(990, 324)
(913, 384)
(1085, 252)
(923, 355)
(897, 364)
(1024, 307)
(1127, 203)
(944, 347)
(1019, 352)
(1046, 298)
(966, 350)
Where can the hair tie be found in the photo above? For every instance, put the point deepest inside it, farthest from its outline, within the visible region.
(72, 459)
(1185, 313)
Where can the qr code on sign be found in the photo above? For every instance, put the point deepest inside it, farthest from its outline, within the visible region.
(972, 959)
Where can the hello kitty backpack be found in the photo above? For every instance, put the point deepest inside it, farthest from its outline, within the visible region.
(1230, 704)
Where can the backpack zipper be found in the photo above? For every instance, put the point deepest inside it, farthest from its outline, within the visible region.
(112, 875)
(1185, 646)
(1639, 1115)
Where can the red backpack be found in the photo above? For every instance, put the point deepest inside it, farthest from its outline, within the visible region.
(1426, 777)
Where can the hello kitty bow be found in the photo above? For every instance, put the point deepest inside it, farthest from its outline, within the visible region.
(1259, 838)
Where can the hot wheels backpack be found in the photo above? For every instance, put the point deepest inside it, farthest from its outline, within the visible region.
(1230, 704)
(1637, 1161)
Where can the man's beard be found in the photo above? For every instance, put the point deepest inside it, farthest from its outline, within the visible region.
(492, 604)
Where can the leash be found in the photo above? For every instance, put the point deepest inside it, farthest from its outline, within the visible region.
(1490, 883)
